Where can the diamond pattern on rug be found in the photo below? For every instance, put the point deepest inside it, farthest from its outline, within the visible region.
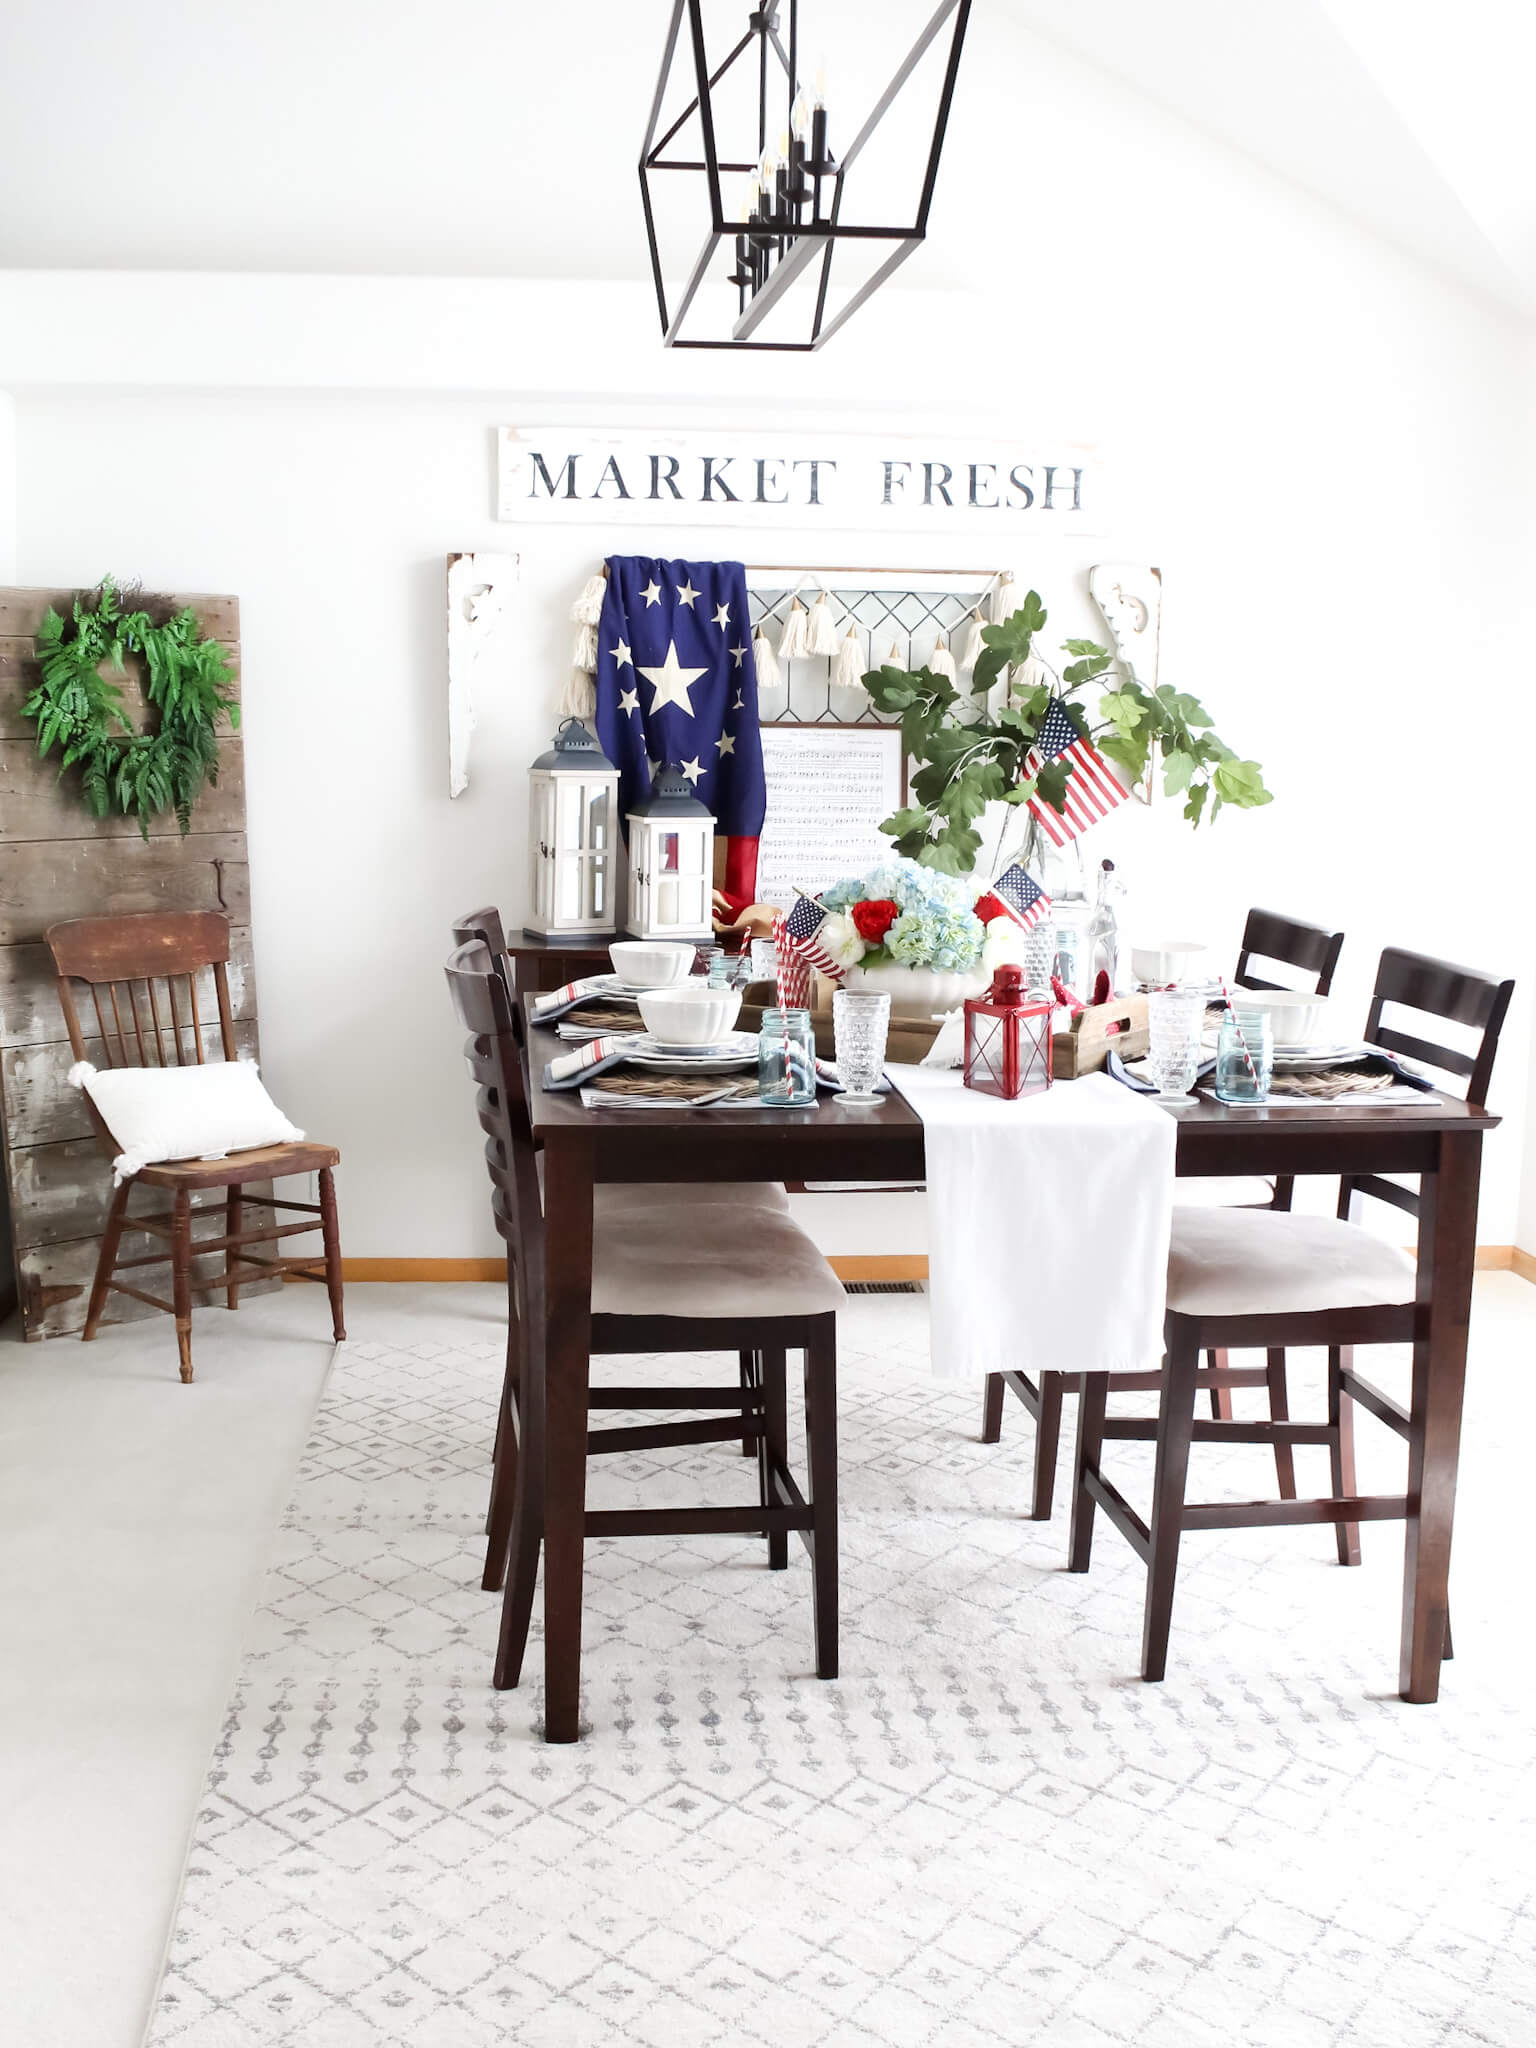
(987, 1832)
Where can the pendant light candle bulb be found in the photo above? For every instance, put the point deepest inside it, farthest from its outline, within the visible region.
(821, 85)
(800, 116)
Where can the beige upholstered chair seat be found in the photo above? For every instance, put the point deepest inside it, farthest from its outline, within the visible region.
(1195, 1192)
(617, 1197)
(729, 1260)
(1242, 1262)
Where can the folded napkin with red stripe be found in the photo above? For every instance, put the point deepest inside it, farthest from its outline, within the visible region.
(554, 1002)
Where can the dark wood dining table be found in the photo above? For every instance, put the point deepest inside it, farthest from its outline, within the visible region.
(1440, 1140)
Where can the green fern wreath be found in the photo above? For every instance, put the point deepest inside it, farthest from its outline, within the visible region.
(79, 711)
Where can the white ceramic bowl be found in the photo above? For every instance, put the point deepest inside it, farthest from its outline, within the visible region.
(651, 963)
(694, 1014)
(1171, 960)
(1295, 1017)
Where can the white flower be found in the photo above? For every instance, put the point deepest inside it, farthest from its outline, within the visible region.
(1004, 941)
(838, 933)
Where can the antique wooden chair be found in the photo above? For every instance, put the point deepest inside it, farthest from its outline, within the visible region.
(1271, 1279)
(752, 1282)
(142, 975)
(1313, 951)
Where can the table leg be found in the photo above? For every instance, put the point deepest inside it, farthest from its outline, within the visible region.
(567, 1356)
(1447, 1249)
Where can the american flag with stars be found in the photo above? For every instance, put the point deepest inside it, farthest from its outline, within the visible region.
(1093, 788)
(676, 687)
(1021, 896)
(797, 949)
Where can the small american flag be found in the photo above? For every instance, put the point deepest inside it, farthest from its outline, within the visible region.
(799, 950)
(1093, 788)
(1021, 896)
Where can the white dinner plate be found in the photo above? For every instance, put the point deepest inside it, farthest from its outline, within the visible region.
(737, 1049)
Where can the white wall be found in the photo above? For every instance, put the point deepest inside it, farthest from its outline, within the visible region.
(1325, 446)
(7, 485)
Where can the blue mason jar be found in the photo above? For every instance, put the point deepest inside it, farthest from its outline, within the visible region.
(786, 1059)
(1245, 1056)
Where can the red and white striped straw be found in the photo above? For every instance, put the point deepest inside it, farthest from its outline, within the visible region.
(1237, 1027)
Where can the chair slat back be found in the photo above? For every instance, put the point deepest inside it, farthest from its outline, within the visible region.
(486, 927)
(138, 982)
(496, 1058)
(1454, 995)
(1309, 947)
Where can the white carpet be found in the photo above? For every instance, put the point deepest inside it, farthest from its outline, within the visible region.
(987, 1831)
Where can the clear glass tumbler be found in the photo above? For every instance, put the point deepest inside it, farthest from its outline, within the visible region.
(1176, 1017)
(786, 1059)
(861, 1019)
(1245, 1056)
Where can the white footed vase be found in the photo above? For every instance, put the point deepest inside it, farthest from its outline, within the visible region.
(919, 994)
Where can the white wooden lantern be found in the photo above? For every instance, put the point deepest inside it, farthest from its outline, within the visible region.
(573, 809)
(671, 862)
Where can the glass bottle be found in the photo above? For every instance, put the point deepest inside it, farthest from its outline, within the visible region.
(1059, 870)
(1104, 928)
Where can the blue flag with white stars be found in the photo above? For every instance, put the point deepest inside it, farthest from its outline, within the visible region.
(676, 687)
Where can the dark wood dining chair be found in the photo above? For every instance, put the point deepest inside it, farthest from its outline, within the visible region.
(1270, 1279)
(1268, 936)
(142, 975)
(674, 1278)
(485, 926)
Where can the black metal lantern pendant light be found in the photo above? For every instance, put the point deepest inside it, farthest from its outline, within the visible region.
(792, 218)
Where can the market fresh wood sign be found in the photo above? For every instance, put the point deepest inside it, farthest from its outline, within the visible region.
(575, 476)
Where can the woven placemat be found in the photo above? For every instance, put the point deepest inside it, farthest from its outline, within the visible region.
(604, 1017)
(1361, 1080)
(675, 1087)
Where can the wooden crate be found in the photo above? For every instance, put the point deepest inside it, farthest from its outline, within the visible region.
(1118, 1026)
(57, 861)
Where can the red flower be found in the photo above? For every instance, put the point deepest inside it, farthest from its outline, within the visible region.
(989, 906)
(874, 919)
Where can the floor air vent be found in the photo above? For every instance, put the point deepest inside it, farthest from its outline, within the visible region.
(882, 1287)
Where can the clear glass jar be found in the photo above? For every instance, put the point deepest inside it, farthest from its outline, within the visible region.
(1245, 1056)
(786, 1059)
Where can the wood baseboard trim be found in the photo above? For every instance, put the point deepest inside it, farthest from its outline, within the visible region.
(1498, 1258)
(881, 1266)
(423, 1269)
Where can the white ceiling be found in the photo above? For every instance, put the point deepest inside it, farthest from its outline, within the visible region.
(500, 139)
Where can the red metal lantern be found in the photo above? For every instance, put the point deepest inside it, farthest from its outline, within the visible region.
(1008, 1038)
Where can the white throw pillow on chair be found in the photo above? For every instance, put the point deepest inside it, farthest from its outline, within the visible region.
(205, 1112)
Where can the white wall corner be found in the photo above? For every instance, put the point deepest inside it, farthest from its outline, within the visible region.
(9, 516)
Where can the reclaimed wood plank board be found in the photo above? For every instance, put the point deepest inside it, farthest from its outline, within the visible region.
(56, 862)
(43, 880)
(21, 611)
(29, 999)
(36, 807)
(41, 1108)
(54, 1283)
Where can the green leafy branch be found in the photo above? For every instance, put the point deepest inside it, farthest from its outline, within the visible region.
(79, 713)
(967, 758)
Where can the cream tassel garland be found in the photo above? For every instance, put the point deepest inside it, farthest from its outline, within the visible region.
(848, 673)
(975, 646)
(821, 628)
(893, 657)
(588, 608)
(584, 648)
(765, 661)
(941, 662)
(579, 697)
(792, 640)
(1002, 598)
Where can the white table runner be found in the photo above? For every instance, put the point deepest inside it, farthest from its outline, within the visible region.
(1048, 1223)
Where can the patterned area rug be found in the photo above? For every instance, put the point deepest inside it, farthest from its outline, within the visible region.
(988, 1831)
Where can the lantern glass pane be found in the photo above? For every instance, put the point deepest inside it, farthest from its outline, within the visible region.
(597, 816)
(669, 860)
(600, 888)
(693, 851)
(568, 812)
(691, 902)
(568, 902)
